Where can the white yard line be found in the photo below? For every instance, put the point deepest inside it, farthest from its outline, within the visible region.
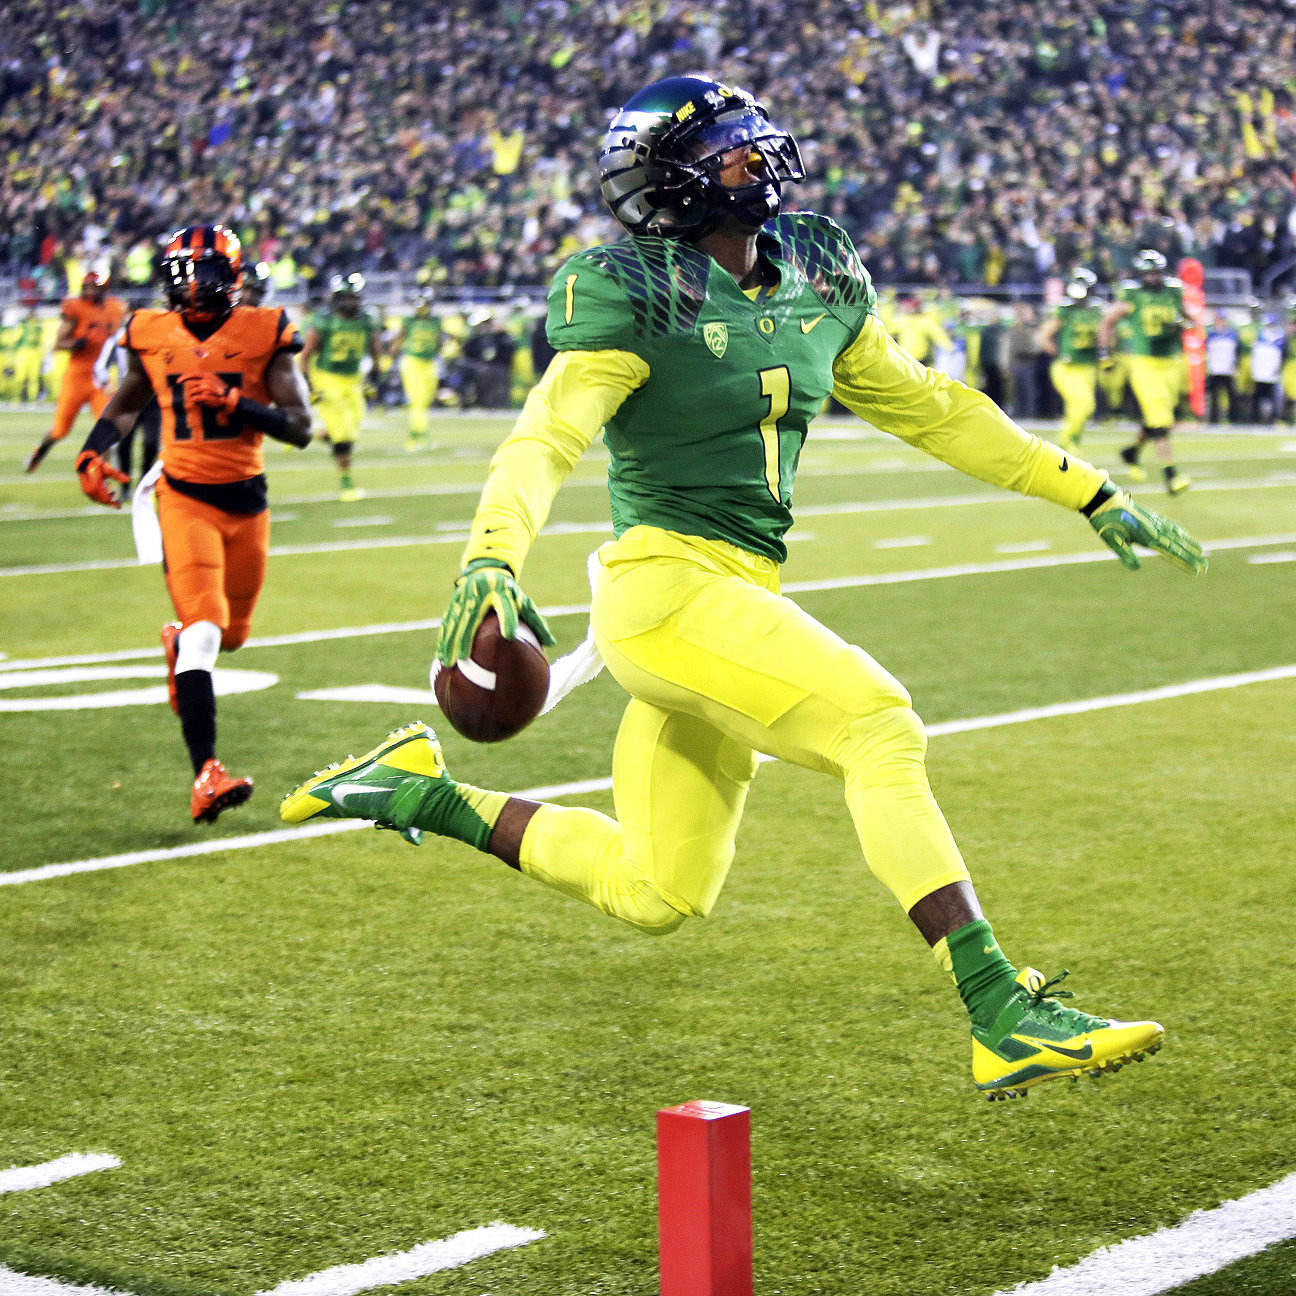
(24, 1178)
(342, 1280)
(1204, 1243)
(328, 827)
(578, 609)
(1283, 556)
(13, 1283)
(404, 1266)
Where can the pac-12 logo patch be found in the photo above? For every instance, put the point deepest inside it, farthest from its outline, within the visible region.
(716, 336)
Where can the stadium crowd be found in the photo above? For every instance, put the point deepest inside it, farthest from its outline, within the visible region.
(958, 142)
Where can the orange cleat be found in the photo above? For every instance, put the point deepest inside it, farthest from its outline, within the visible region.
(214, 791)
(170, 633)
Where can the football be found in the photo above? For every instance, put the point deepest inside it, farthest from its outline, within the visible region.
(499, 690)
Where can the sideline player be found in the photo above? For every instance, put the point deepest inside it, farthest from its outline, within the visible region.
(420, 338)
(337, 341)
(224, 377)
(1070, 335)
(706, 343)
(88, 322)
(28, 356)
(1154, 308)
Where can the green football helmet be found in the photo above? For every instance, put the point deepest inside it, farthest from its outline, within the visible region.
(661, 157)
(345, 292)
(1083, 282)
(1149, 264)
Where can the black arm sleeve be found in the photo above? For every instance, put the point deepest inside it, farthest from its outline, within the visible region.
(265, 418)
(103, 436)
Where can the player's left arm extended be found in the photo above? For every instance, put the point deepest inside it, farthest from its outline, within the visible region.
(563, 415)
(967, 430)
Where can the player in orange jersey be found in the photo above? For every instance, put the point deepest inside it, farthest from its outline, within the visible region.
(88, 322)
(224, 377)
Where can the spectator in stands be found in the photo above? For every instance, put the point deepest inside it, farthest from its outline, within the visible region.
(956, 141)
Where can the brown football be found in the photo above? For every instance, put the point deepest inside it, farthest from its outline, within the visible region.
(499, 690)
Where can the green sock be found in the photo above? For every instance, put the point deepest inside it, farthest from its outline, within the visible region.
(984, 977)
(447, 808)
(346, 481)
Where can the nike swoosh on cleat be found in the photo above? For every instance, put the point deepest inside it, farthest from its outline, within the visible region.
(807, 325)
(339, 794)
(1080, 1055)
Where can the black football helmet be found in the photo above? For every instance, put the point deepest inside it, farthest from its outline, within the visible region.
(201, 265)
(661, 157)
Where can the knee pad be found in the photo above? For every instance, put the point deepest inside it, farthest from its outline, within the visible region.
(198, 645)
(1155, 434)
(342, 448)
(885, 740)
(649, 913)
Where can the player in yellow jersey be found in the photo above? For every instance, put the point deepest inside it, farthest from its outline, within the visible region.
(29, 355)
(1154, 308)
(701, 348)
(420, 338)
(1071, 336)
(338, 341)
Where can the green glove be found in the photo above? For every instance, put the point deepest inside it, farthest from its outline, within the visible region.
(486, 586)
(1121, 524)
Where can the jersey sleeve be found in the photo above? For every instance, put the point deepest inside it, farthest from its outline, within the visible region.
(589, 310)
(944, 418)
(565, 411)
(287, 337)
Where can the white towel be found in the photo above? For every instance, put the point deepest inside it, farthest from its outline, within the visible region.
(583, 663)
(144, 519)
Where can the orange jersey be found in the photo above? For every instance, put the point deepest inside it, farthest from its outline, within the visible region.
(200, 444)
(94, 323)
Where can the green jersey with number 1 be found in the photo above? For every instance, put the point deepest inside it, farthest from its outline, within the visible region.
(709, 445)
(1156, 322)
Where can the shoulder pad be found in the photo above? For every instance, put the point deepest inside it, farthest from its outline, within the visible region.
(823, 252)
(663, 281)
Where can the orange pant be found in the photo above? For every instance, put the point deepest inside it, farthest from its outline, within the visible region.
(77, 388)
(215, 562)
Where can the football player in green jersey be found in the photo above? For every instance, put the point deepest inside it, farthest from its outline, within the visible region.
(420, 339)
(1154, 310)
(703, 346)
(337, 342)
(1071, 335)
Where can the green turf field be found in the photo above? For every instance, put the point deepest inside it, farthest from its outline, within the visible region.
(318, 1051)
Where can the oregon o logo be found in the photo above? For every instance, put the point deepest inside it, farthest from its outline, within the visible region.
(224, 681)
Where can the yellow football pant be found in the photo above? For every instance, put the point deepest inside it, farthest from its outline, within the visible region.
(27, 373)
(419, 379)
(1113, 378)
(341, 403)
(1156, 382)
(719, 667)
(1076, 384)
(1289, 379)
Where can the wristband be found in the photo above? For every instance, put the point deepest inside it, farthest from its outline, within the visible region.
(265, 418)
(103, 436)
(1105, 492)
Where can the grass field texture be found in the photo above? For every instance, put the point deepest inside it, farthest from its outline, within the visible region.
(314, 1052)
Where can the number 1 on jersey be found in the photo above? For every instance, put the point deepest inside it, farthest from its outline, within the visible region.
(776, 384)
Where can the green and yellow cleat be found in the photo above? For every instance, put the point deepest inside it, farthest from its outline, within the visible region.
(1034, 1038)
(388, 785)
